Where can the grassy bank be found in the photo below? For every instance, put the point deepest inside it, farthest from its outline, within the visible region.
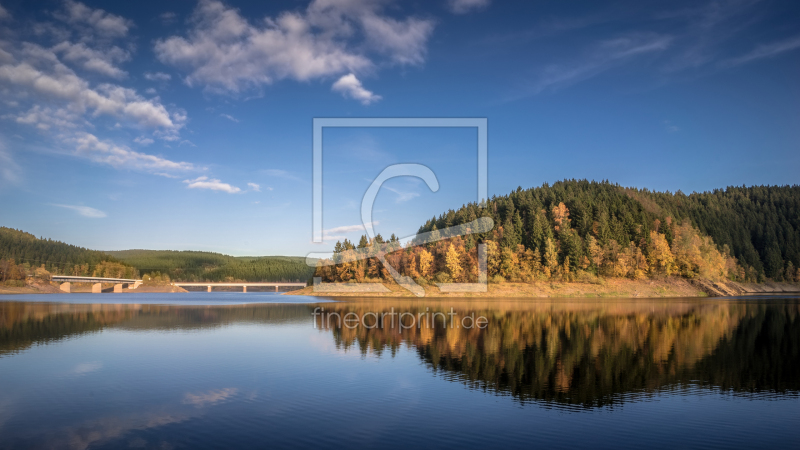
(615, 287)
(670, 287)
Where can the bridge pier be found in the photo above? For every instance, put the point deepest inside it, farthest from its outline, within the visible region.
(97, 288)
(118, 288)
(276, 288)
(244, 289)
(66, 287)
(209, 289)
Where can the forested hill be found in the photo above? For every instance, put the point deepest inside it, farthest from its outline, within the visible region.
(208, 266)
(29, 252)
(759, 226)
(57, 257)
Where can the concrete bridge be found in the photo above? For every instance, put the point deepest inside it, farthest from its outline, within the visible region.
(243, 285)
(97, 283)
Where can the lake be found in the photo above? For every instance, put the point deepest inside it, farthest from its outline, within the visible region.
(232, 370)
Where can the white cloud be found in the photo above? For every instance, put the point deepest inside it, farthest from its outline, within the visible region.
(103, 23)
(157, 76)
(102, 62)
(350, 86)
(211, 184)
(89, 146)
(45, 118)
(4, 14)
(85, 211)
(466, 6)
(142, 140)
(42, 74)
(254, 187)
(224, 52)
(348, 228)
(403, 41)
(230, 117)
(765, 51)
(41, 91)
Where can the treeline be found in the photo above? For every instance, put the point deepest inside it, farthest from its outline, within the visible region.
(208, 266)
(23, 254)
(578, 230)
(760, 224)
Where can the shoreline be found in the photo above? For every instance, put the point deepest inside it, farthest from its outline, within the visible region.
(614, 287)
(604, 288)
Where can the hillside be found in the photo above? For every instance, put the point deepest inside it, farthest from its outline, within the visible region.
(208, 266)
(28, 251)
(581, 230)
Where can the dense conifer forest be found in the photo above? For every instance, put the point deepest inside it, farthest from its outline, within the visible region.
(22, 254)
(208, 266)
(579, 230)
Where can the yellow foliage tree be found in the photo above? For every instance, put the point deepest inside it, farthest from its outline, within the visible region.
(595, 252)
(659, 256)
(453, 263)
(425, 263)
(550, 257)
(492, 258)
(509, 265)
(560, 217)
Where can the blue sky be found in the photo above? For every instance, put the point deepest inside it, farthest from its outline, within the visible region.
(187, 125)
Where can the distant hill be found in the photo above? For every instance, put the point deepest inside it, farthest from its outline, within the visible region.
(57, 257)
(208, 266)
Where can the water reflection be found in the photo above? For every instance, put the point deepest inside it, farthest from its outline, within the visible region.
(581, 353)
(596, 353)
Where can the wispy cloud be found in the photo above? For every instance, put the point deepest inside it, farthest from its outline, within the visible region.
(85, 211)
(603, 56)
(9, 170)
(142, 140)
(230, 117)
(348, 228)
(254, 187)
(166, 175)
(402, 196)
(212, 184)
(157, 76)
(466, 6)
(107, 152)
(764, 51)
(280, 173)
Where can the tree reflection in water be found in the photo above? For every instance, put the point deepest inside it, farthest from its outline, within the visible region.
(596, 353)
(581, 353)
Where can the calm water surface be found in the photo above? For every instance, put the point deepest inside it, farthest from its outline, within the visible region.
(216, 370)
